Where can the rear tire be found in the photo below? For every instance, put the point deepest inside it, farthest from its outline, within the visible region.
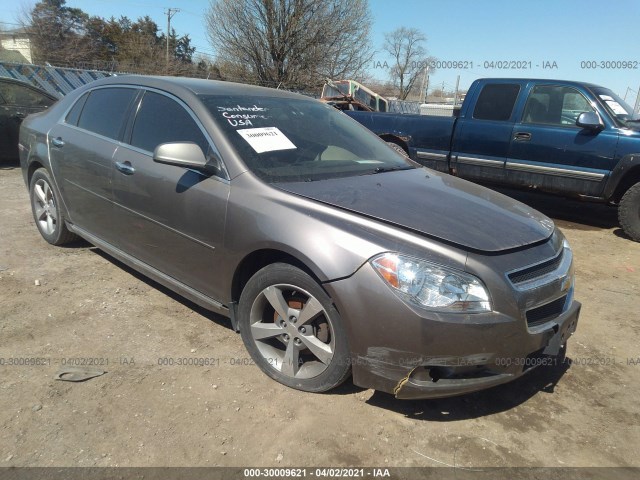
(629, 212)
(47, 213)
(292, 330)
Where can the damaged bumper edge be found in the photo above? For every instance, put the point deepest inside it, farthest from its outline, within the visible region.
(427, 376)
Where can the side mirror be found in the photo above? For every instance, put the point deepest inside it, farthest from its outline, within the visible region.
(589, 120)
(187, 155)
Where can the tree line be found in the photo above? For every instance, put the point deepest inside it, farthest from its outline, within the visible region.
(293, 44)
(66, 36)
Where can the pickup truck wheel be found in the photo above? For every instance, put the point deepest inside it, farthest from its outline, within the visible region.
(292, 330)
(45, 203)
(398, 149)
(629, 212)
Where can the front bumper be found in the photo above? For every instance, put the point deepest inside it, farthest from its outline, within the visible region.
(413, 353)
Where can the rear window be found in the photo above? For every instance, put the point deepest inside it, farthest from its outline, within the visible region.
(496, 101)
(105, 111)
(74, 114)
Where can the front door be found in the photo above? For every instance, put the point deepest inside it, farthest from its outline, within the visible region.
(549, 150)
(171, 218)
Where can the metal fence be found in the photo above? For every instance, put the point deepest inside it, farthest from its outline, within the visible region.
(417, 108)
(58, 81)
(402, 106)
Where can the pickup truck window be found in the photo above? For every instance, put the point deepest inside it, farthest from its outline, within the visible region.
(496, 101)
(555, 105)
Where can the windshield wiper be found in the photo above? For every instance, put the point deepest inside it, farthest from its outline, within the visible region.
(391, 169)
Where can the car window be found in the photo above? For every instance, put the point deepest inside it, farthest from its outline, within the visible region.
(555, 105)
(284, 139)
(105, 111)
(496, 101)
(162, 120)
(24, 96)
(74, 114)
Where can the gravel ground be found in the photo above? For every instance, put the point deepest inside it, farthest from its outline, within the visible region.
(63, 305)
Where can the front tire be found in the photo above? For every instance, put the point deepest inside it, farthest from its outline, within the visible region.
(629, 212)
(292, 330)
(45, 205)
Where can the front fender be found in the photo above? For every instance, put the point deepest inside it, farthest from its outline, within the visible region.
(331, 242)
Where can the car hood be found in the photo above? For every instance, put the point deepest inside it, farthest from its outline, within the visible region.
(435, 205)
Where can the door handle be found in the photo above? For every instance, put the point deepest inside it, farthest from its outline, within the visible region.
(522, 137)
(125, 168)
(20, 115)
(57, 142)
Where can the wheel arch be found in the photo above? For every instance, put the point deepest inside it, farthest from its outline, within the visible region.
(401, 141)
(34, 164)
(629, 180)
(624, 176)
(255, 261)
(258, 259)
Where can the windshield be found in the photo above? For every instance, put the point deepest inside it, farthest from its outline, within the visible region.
(616, 107)
(293, 140)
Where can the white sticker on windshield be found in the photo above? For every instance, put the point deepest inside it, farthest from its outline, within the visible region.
(606, 97)
(616, 107)
(266, 139)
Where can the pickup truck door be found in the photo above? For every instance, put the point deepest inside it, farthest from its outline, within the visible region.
(550, 151)
(482, 136)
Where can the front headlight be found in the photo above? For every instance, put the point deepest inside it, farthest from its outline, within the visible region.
(432, 286)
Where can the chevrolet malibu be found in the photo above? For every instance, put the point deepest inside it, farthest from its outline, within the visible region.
(332, 254)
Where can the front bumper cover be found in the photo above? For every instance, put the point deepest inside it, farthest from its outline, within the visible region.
(413, 353)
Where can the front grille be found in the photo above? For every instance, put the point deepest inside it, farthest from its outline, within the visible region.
(544, 313)
(536, 271)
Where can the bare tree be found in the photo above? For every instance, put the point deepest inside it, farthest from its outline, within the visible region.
(296, 43)
(406, 47)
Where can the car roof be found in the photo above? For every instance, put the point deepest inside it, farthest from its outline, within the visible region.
(197, 86)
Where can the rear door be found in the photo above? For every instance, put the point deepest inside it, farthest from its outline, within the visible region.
(171, 218)
(482, 136)
(82, 146)
(548, 149)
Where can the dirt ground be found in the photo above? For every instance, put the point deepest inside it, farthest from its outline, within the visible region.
(62, 305)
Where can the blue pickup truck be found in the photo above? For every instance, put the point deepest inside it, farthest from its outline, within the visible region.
(568, 138)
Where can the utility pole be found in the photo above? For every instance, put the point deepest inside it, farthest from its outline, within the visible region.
(455, 98)
(170, 12)
(423, 86)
